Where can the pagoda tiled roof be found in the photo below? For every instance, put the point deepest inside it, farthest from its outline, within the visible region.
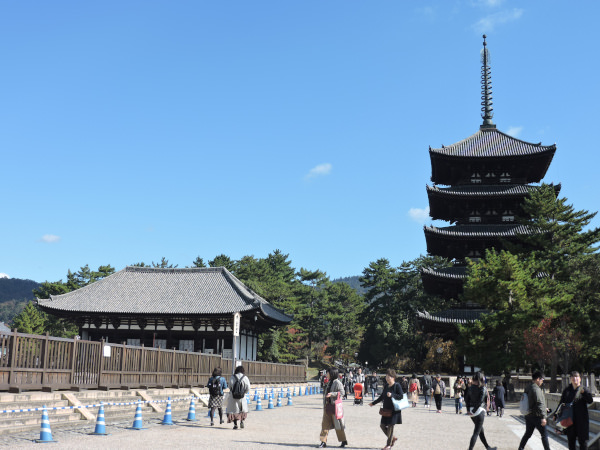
(490, 142)
(155, 291)
(474, 231)
(454, 316)
(517, 190)
(458, 273)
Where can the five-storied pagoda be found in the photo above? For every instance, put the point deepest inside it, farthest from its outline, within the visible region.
(479, 185)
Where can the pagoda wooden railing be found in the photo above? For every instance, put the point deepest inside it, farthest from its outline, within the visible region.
(34, 362)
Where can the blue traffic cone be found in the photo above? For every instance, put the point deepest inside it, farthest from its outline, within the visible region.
(248, 399)
(192, 411)
(270, 402)
(255, 394)
(266, 397)
(306, 390)
(258, 405)
(137, 420)
(294, 391)
(100, 429)
(279, 401)
(46, 432)
(272, 392)
(167, 419)
(289, 397)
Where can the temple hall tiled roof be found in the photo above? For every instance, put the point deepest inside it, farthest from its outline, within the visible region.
(489, 142)
(143, 290)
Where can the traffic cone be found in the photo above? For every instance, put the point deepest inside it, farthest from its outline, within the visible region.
(192, 411)
(266, 397)
(279, 401)
(167, 419)
(289, 403)
(248, 399)
(270, 402)
(258, 405)
(100, 429)
(137, 420)
(256, 396)
(294, 391)
(46, 432)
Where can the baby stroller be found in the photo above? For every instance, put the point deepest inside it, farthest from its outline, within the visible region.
(358, 394)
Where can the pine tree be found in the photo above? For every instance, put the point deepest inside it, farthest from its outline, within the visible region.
(30, 320)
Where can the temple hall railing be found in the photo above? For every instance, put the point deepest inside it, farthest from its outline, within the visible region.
(34, 362)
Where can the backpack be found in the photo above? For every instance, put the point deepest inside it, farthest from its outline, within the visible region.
(413, 387)
(426, 384)
(214, 387)
(238, 390)
(524, 404)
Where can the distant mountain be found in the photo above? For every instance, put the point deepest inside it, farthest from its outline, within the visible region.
(17, 289)
(353, 282)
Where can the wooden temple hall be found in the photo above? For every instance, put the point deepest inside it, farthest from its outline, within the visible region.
(479, 185)
(186, 309)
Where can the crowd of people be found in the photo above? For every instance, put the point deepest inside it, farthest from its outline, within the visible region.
(470, 393)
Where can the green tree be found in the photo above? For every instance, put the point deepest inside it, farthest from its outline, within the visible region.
(198, 262)
(223, 261)
(30, 320)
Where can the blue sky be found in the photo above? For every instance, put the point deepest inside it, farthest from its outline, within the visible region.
(133, 130)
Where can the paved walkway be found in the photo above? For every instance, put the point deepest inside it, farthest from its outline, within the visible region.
(295, 427)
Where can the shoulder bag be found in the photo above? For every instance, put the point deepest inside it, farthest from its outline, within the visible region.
(401, 404)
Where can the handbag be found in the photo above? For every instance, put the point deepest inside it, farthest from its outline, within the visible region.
(385, 412)
(566, 415)
(401, 404)
(339, 407)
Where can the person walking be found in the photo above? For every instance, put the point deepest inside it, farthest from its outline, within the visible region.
(389, 416)
(439, 391)
(468, 385)
(579, 396)
(237, 406)
(536, 411)
(426, 383)
(478, 400)
(499, 393)
(373, 386)
(459, 391)
(333, 388)
(413, 390)
(216, 384)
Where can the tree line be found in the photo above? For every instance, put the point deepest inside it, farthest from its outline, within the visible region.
(541, 295)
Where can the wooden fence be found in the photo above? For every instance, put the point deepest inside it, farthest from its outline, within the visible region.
(33, 362)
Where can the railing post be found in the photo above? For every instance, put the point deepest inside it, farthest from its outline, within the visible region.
(13, 357)
(45, 358)
(101, 363)
(122, 364)
(73, 362)
(173, 366)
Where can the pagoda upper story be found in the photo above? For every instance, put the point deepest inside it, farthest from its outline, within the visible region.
(480, 184)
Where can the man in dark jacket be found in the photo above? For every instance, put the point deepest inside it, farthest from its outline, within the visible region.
(537, 411)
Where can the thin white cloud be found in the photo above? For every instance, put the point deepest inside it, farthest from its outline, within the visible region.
(319, 170)
(50, 238)
(419, 215)
(488, 23)
(514, 131)
(4, 275)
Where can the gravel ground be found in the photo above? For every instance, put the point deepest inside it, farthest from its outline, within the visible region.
(297, 427)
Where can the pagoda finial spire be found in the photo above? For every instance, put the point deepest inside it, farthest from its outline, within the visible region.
(486, 88)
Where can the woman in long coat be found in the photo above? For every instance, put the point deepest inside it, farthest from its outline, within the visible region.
(237, 408)
(390, 390)
(413, 390)
(329, 422)
(580, 396)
